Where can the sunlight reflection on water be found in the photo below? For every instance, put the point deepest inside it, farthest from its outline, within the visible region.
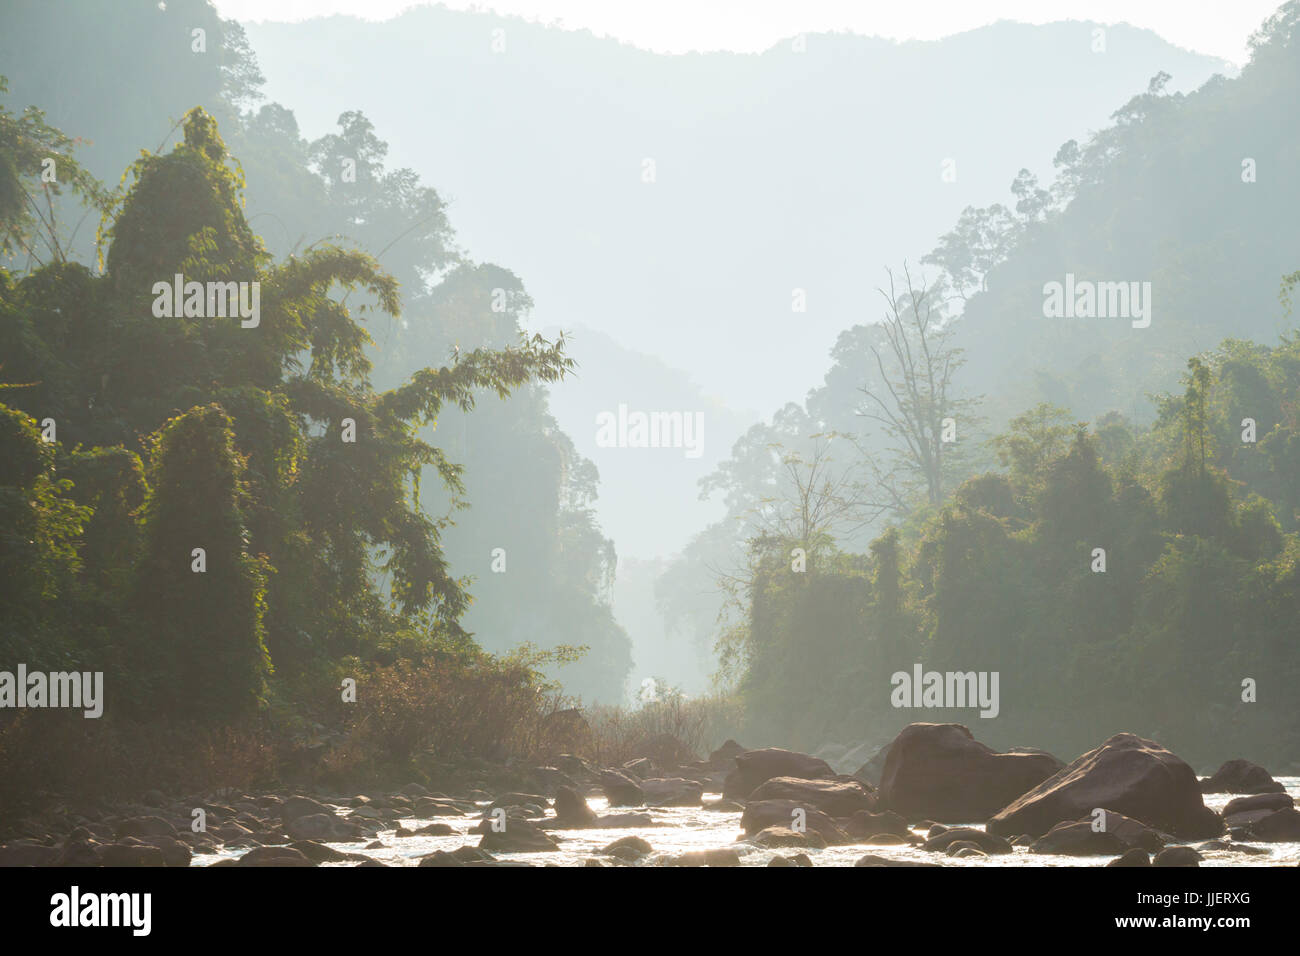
(685, 829)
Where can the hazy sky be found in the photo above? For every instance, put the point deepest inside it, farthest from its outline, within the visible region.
(1218, 28)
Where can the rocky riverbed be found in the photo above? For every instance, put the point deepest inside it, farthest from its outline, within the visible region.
(934, 796)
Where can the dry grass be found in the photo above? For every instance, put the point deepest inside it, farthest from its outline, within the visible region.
(698, 724)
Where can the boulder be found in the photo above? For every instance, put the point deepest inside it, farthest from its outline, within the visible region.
(175, 853)
(761, 814)
(940, 771)
(274, 856)
(535, 803)
(323, 827)
(836, 798)
(440, 858)
(724, 758)
(1278, 826)
(1177, 856)
(519, 837)
(320, 853)
(80, 853)
(722, 856)
(1077, 839)
(621, 790)
(672, 792)
(297, 806)
(571, 809)
(628, 848)
(1259, 801)
(1127, 774)
(756, 767)
(131, 854)
(987, 842)
(864, 823)
(872, 860)
(1241, 776)
(784, 836)
(1134, 857)
(143, 827)
(640, 768)
(28, 854)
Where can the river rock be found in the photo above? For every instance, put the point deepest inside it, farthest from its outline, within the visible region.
(640, 768)
(773, 837)
(621, 790)
(131, 854)
(836, 798)
(720, 856)
(864, 823)
(1135, 856)
(519, 837)
(672, 792)
(987, 842)
(274, 856)
(323, 827)
(1177, 856)
(175, 853)
(724, 758)
(571, 809)
(439, 858)
(1278, 826)
(320, 853)
(1077, 839)
(628, 848)
(1241, 776)
(940, 771)
(144, 826)
(1259, 801)
(298, 806)
(762, 814)
(79, 853)
(872, 860)
(1127, 774)
(28, 854)
(756, 767)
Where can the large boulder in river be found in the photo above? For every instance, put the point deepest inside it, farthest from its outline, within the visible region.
(323, 828)
(1106, 833)
(836, 798)
(1280, 825)
(1127, 774)
(1241, 776)
(571, 809)
(724, 758)
(755, 767)
(672, 792)
(762, 814)
(621, 789)
(518, 837)
(940, 771)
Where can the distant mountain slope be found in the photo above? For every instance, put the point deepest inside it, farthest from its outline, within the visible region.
(773, 172)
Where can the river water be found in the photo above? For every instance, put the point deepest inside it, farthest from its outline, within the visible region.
(685, 829)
